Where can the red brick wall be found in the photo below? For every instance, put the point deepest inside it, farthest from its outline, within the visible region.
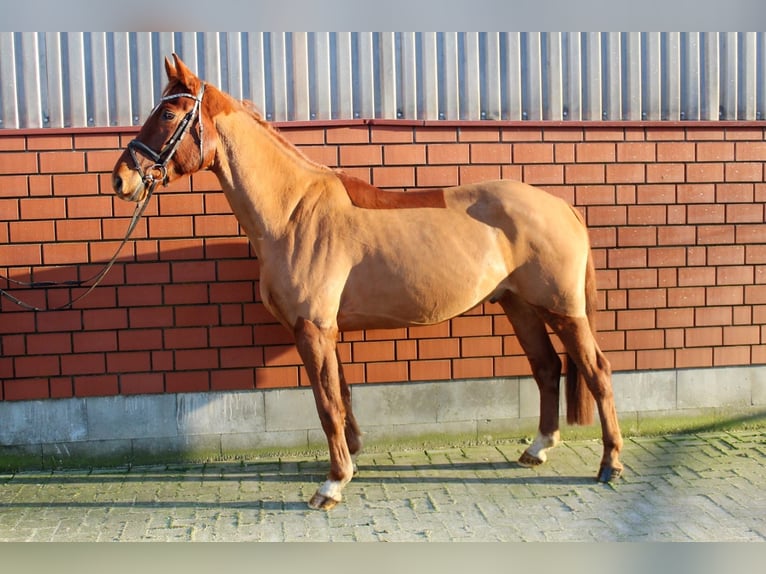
(676, 215)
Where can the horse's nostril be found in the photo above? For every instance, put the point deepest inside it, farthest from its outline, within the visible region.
(117, 183)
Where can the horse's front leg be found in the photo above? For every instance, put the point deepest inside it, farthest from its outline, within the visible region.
(317, 349)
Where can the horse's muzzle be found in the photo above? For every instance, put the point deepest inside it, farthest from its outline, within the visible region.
(128, 185)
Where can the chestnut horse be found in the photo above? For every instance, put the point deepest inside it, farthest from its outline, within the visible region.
(339, 254)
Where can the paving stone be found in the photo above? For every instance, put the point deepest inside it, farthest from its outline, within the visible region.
(701, 487)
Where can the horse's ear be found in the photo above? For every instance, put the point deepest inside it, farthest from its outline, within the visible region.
(170, 69)
(183, 73)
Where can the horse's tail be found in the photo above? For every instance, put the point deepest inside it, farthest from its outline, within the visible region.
(579, 398)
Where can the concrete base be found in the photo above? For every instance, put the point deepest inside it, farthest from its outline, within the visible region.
(102, 431)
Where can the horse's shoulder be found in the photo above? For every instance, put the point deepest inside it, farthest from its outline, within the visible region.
(367, 196)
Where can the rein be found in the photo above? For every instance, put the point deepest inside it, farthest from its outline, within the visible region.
(97, 278)
(161, 160)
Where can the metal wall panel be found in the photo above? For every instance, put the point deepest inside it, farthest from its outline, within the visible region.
(84, 79)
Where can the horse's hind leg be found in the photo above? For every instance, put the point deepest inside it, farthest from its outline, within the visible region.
(352, 432)
(546, 369)
(576, 335)
(317, 348)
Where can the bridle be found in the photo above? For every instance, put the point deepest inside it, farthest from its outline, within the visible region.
(163, 157)
(161, 160)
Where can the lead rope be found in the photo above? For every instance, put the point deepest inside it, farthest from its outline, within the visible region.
(97, 278)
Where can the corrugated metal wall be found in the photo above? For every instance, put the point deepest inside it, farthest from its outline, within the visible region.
(114, 78)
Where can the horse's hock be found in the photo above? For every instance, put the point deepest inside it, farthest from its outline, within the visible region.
(154, 362)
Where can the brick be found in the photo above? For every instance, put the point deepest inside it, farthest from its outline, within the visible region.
(178, 226)
(409, 154)
(698, 193)
(675, 317)
(438, 348)
(735, 193)
(431, 370)
(62, 162)
(478, 134)
(637, 278)
(96, 141)
(84, 364)
(656, 194)
(391, 134)
(467, 326)
(373, 351)
(25, 389)
(543, 174)
(625, 173)
(393, 371)
(666, 173)
(647, 298)
(128, 362)
(706, 213)
(636, 152)
(94, 341)
(187, 381)
(468, 174)
(732, 355)
(490, 153)
(637, 236)
(676, 151)
(12, 143)
(689, 358)
(443, 154)
(393, 177)
(704, 172)
(231, 336)
(36, 366)
(348, 135)
(742, 335)
(710, 315)
(437, 176)
(473, 368)
(715, 151)
(628, 320)
(144, 383)
(645, 339)
(436, 134)
(533, 153)
(667, 257)
(481, 346)
(323, 155)
(750, 151)
(361, 155)
(31, 231)
(304, 136)
(232, 380)
(595, 152)
(704, 337)
(18, 163)
(584, 173)
(562, 153)
(744, 172)
(647, 215)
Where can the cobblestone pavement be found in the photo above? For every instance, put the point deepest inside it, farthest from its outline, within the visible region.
(690, 487)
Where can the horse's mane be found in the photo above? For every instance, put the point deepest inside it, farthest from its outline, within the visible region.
(251, 109)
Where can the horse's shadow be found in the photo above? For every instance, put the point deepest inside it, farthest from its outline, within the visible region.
(303, 476)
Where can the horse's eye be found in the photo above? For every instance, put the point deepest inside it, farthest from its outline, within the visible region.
(168, 115)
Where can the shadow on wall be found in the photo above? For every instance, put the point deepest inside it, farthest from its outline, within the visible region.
(183, 319)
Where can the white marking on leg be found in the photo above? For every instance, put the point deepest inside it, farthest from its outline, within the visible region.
(332, 489)
(542, 444)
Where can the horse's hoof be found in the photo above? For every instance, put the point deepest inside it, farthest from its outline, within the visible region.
(530, 460)
(608, 473)
(322, 502)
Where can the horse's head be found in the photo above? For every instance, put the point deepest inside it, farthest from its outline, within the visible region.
(176, 139)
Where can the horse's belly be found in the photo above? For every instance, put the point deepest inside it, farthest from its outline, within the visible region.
(370, 301)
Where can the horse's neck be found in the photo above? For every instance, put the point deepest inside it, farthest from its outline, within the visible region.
(263, 178)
